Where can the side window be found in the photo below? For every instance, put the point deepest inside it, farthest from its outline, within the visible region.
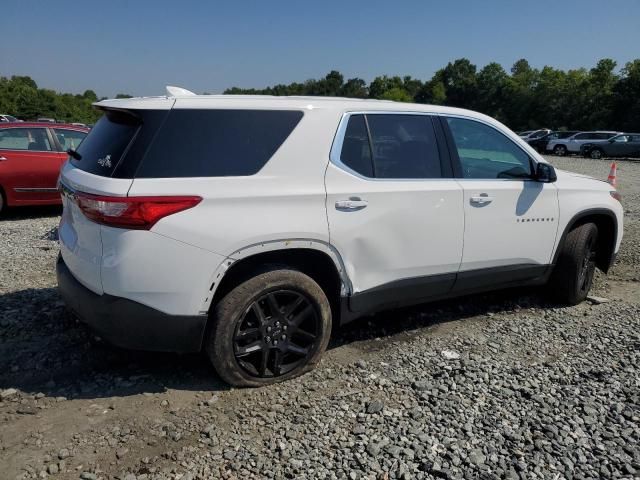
(24, 139)
(217, 143)
(69, 138)
(582, 136)
(486, 153)
(356, 151)
(404, 146)
(621, 138)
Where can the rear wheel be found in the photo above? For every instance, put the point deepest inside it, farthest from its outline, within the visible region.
(560, 150)
(595, 153)
(2, 202)
(270, 328)
(574, 271)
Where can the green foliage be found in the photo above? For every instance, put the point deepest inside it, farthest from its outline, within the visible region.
(524, 98)
(21, 97)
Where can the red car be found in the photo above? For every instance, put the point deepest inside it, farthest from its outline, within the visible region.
(31, 155)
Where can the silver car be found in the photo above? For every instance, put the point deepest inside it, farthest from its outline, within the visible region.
(572, 144)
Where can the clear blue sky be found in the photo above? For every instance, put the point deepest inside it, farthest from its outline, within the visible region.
(139, 46)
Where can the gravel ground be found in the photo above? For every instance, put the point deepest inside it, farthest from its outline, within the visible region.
(504, 385)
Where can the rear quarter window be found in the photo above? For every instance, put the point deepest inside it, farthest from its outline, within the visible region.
(217, 143)
(103, 148)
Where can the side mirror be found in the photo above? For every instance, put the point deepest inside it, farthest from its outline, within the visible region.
(545, 173)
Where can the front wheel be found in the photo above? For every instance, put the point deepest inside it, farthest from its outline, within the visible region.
(560, 150)
(574, 271)
(270, 328)
(595, 153)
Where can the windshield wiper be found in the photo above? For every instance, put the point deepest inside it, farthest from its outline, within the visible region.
(74, 154)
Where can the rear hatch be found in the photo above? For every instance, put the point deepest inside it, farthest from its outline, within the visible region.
(105, 164)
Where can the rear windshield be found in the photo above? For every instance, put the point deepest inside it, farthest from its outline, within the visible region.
(106, 144)
(216, 143)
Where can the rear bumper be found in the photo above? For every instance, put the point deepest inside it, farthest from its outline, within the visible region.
(130, 324)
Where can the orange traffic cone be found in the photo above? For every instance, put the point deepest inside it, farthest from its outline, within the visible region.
(612, 175)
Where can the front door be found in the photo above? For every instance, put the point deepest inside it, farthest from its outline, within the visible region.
(510, 219)
(394, 212)
(29, 165)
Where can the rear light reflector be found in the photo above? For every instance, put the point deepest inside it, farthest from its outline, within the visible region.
(140, 213)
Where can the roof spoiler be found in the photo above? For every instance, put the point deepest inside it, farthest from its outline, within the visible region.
(178, 91)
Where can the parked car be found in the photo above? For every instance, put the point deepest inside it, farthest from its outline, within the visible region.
(31, 155)
(624, 145)
(540, 143)
(563, 146)
(7, 118)
(247, 226)
(536, 134)
(46, 120)
(525, 133)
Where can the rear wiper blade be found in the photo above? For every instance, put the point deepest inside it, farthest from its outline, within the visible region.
(74, 154)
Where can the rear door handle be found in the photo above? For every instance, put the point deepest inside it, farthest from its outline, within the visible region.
(352, 204)
(482, 199)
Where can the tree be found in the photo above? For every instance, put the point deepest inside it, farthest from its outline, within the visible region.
(626, 98)
(355, 88)
(90, 95)
(397, 94)
(490, 83)
(460, 83)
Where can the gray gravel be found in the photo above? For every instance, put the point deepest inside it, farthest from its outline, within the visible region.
(504, 385)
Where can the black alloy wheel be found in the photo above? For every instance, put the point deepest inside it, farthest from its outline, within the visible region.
(588, 268)
(574, 271)
(271, 327)
(595, 153)
(276, 334)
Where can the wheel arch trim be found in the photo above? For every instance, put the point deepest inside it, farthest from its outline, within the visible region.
(610, 256)
(346, 287)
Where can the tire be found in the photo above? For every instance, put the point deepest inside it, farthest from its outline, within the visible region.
(2, 201)
(595, 153)
(574, 271)
(282, 312)
(560, 150)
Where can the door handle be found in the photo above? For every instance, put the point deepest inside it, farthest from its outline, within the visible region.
(353, 204)
(3, 159)
(482, 199)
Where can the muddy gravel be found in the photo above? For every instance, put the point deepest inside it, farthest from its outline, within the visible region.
(504, 385)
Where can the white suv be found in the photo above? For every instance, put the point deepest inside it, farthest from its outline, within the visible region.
(248, 226)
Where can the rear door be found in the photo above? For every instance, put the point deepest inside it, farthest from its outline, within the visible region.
(29, 165)
(394, 211)
(510, 219)
(634, 146)
(575, 142)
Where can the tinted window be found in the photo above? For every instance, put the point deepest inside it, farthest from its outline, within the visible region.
(404, 146)
(621, 138)
(217, 143)
(603, 136)
(35, 139)
(106, 143)
(486, 153)
(565, 134)
(356, 151)
(583, 136)
(69, 138)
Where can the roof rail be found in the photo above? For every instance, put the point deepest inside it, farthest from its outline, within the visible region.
(178, 91)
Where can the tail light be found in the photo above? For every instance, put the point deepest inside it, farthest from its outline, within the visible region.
(140, 213)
